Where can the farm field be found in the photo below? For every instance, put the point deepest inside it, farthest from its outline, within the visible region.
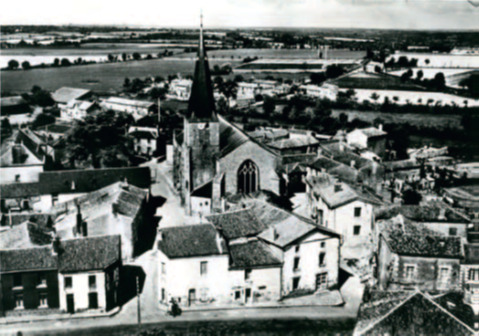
(439, 121)
(100, 77)
(453, 76)
(373, 81)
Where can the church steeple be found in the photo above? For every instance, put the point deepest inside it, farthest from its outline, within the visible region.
(201, 106)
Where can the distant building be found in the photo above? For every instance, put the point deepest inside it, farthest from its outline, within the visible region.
(64, 95)
(325, 91)
(180, 89)
(260, 87)
(78, 110)
(14, 105)
(68, 275)
(371, 138)
(145, 139)
(304, 144)
(137, 108)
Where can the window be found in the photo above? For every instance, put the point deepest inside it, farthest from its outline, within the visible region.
(17, 280)
(357, 212)
(323, 244)
(296, 264)
(203, 267)
(42, 279)
(54, 199)
(443, 273)
(163, 295)
(322, 256)
(17, 178)
(247, 178)
(296, 283)
(357, 230)
(43, 300)
(237, 295)
(247, 274)
(452, 231)
(92, 300)
(92, 281)
(68, 282)
(322, 280)
(410, 271)
(18, 301)
(473, 274)
(296, 248)
(163, 268)
(320, 216)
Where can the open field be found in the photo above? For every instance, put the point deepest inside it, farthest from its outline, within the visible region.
(362, 80)
(453, 76)
(440, 60)
(439, 121)
(101, 77)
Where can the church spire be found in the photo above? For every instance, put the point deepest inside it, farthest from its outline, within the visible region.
(202, 104)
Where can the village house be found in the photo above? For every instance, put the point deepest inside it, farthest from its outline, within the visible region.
(180, 89)
(55, 187)
(23, 156)
(145, 139)
(64, 95)
(411, 256)
(136, 108)
(325, 91)
(260, 87)
(414, 313)
(345, 208)
(304, 144)
(118, 209)
(271, 254)
(67, 275)
(214, 158)
(371, 138)
(78, 110)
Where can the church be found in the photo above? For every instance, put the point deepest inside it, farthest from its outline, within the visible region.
(213, 158)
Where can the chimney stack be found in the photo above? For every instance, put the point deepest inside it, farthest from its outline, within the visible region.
(337, 187)
(380, 127)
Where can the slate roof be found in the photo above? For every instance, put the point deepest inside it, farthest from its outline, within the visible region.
(238, 223)
(87, 180)
(406, 313)
(88, 254)
(190, 241)
(254, 253)
(19, 190)
(38, 258)
(434, 246)
(66, 94)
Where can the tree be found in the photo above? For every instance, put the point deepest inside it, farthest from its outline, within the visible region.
(43, 119)
(136, 56)
(126, 83)
(13, 64)
(439, 81)
(374, 96)
(411, 197)
(419, 74)
(111, 58)
(334, 71)
(317, 78)
(149, 57)
(56, 62)
(269, 106)
(26, 65)
(343, 119)
(229, 89)
(124, 57)
(239, 78)
(65, 62)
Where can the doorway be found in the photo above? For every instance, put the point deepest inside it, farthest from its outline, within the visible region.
(191, 296)
(247, 295)
(70, 303)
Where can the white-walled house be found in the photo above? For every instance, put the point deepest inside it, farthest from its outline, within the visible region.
(78, 110)
(89, 273)
(339, 206)
(144, 139)
(371, 138)
(137, 108)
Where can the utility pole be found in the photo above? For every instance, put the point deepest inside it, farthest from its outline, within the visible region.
(138, 301)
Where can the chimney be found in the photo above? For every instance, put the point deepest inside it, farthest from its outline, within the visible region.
(337, 187)
(442, 214)
(353, 163)
(380, 127)
(219, 243)
(56, 245)
(275, 234)
(73, 185)
(79, 219)
(341, 146)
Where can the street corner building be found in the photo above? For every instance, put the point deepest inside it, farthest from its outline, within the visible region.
(66, 276)
(258, 254)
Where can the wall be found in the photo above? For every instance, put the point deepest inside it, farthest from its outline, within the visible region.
(27, 174)
(264, 160)
(385, 263)
(200, 205)
(30, 289)
(444, 228)
(265, 285)
(358, 138)
(309, 250)
(80, 289)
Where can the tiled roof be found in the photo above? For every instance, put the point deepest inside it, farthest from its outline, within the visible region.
(65, 94)
(38, 258)
(296, 142)
(407, 313)
(87, 180)
(454, 303)
(19, 190)
(238, 223)
(88, 254)
(254, 253)
(424, 245)
(190, 241)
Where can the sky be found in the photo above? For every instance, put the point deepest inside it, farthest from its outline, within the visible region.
(383, 14)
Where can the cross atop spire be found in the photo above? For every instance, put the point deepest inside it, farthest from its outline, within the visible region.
(202, 104)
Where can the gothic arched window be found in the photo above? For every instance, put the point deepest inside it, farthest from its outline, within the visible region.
(248, 177)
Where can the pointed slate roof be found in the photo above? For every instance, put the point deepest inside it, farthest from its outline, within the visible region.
(201, 106)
